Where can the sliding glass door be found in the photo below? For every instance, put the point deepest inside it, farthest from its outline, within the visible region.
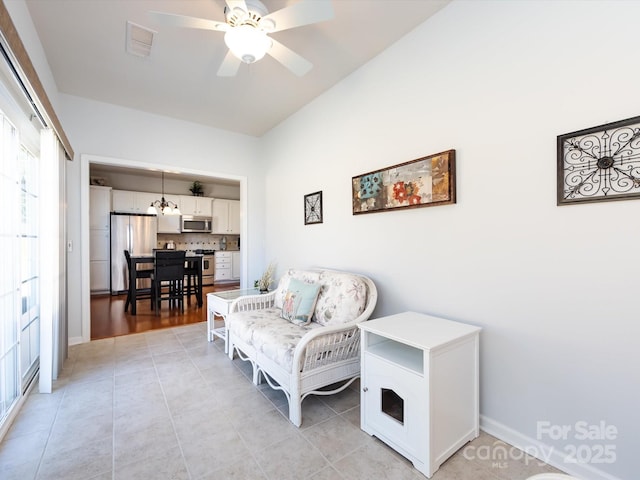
(19, 275)
(10, 382)
(29, 263)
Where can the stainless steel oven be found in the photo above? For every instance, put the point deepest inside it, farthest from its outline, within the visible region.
(208, 269)
(208, 265)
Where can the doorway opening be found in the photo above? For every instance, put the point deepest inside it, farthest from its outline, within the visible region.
(136, 176)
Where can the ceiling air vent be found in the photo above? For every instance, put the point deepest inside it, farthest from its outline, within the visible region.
(139, 39)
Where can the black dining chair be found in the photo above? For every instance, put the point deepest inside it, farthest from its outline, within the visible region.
(168, 279)
(141, 293)
(191, 273)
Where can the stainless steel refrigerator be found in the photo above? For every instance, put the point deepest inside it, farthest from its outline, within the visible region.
(136, 233)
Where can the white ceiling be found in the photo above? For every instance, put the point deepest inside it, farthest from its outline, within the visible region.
(84, 41)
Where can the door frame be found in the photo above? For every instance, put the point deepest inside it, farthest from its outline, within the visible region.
(85, 161)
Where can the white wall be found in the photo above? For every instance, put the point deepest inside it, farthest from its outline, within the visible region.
(554, 288)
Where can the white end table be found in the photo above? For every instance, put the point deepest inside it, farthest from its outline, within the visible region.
(218, 303)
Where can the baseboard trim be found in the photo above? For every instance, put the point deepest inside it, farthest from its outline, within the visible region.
(76, 340)
(541, 451)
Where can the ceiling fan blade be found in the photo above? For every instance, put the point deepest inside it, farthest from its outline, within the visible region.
(289, 58)
(229, 66)
(304, 12)
(175, 20)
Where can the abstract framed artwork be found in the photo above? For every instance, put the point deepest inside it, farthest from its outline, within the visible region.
(600, 163)
(424, 182)
(313, 208)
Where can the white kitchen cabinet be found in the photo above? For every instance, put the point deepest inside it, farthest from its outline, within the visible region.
(99, 245)
(223, 271)
(99, 276)
(122, 201)
(235, 265)
(99, 261)
(125, 201)
(99, 207)
(234, 217)
(198, 206)
(168, 223)
(419, 386)
(99, 238)
(226, 216)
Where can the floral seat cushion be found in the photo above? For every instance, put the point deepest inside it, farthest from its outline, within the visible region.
(270, 334)
(342, 298)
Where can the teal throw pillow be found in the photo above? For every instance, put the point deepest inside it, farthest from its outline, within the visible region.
(300, 301)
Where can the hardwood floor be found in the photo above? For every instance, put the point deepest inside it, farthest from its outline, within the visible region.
(108, 318)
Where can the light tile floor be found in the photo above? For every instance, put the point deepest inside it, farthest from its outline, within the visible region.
(169, 405)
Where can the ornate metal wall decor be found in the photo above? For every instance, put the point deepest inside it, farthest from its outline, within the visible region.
(313, 208)
(600, 163)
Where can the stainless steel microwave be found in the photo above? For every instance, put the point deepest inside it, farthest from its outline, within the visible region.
(190, 223)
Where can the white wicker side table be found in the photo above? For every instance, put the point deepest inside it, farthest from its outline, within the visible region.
(218, 303)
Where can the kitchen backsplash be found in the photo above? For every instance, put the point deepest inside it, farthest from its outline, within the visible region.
(193, 241)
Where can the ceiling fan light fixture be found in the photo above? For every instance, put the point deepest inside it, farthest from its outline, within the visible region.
(247, 42)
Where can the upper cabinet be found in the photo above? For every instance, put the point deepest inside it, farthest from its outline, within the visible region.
(99, 207)
(125, 201)
(198, 206)
(234, 216)
(226, 216)
(169, 223)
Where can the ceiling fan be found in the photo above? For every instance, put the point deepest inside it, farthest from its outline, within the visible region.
(247, 28)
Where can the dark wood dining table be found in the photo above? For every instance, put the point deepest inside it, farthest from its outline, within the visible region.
(194, 259)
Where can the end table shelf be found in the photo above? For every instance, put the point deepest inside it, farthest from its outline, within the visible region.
(218, 304)
(398, 353)
(420, 392)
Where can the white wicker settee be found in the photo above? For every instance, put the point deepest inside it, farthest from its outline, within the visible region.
(301, 359)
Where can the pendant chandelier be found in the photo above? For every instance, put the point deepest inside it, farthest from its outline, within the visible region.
(166, 207)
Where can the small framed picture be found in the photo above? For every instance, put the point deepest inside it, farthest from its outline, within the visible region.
(313, 208)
